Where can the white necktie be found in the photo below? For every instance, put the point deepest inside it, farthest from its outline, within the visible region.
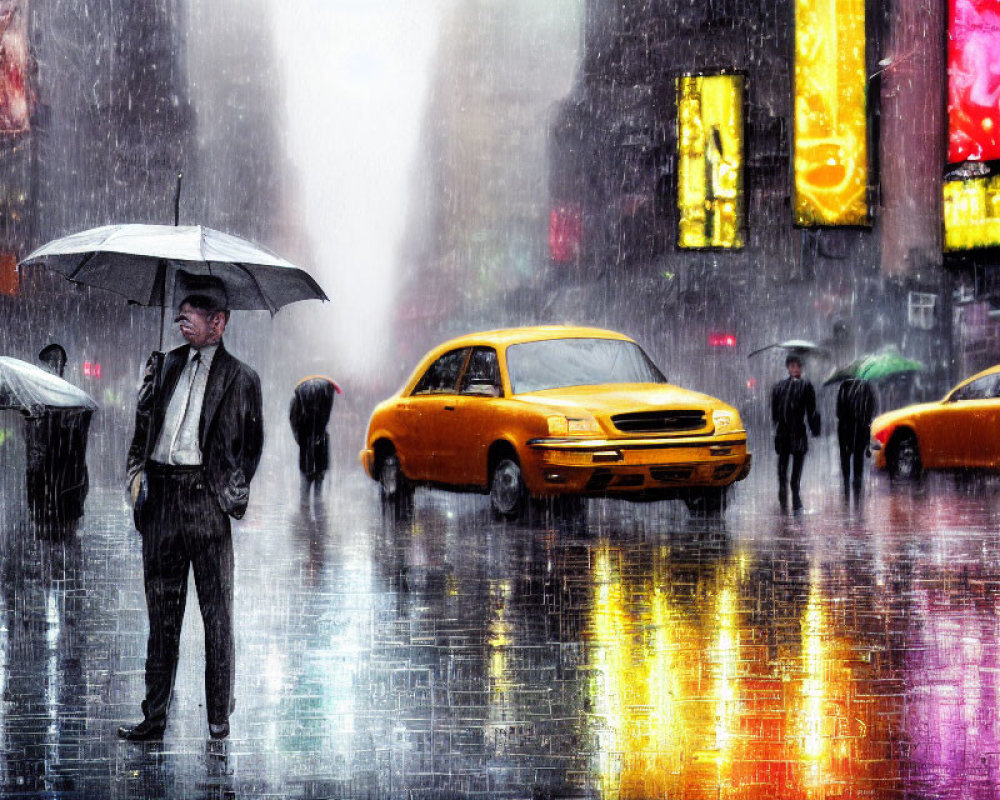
(184, 431)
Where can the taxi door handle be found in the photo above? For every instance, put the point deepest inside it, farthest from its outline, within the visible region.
(449, 408)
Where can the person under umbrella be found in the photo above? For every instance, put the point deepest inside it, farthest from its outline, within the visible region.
(57, 419)
(309, 414)
(857, 406)
(197, 444)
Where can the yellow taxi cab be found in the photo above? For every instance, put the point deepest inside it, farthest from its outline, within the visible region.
(548, 412)
(960, 431)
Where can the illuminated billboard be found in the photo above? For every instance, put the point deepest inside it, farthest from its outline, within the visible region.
(973, 80)
(972, 213)
(15, 89)
(710, 161)
(831, 150)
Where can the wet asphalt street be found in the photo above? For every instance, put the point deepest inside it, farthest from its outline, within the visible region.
(852, 651)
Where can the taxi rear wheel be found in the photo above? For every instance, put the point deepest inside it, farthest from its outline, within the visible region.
(904, 457)
(508, 494)
(395, 489)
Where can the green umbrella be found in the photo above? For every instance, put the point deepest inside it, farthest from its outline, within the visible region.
(876, 367)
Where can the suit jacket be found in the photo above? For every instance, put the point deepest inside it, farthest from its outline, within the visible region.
(230, 431)
(793, 404)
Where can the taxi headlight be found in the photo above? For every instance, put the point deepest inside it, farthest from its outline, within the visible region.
(723, 421)
(563, 426)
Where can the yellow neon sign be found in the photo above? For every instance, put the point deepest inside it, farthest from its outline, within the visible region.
(710, 161)
(972, 213)
(831, 151)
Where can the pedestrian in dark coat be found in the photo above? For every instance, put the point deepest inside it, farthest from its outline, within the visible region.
(56, 461)
(309, 414)
(56, 456)
(857, 406)
(793, 407)
(197, 443)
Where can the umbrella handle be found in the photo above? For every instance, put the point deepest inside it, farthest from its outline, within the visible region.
(177, 200)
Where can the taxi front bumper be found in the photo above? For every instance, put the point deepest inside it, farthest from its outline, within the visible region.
(635, 466)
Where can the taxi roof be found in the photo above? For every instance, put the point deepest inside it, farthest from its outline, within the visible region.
(530, 333)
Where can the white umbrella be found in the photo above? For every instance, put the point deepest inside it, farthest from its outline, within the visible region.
(25, 387)
(140, 263)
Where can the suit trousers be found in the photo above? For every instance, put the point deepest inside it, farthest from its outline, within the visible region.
(798, 461)
(182, 528)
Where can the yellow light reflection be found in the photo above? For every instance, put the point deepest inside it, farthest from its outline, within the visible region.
(726, 681)
(499, 642)
(831, 153)
(972, 213)
(710, 161)
(612, 680)
(814, 682)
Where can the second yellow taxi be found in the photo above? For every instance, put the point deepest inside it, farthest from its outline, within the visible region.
(960, 431)
(552, 411)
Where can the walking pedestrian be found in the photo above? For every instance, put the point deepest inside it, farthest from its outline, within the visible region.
(197, 443)
(309, 414)
(857, 406)
(793, 406)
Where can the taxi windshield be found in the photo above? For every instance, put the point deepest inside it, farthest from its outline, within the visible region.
(558, 363)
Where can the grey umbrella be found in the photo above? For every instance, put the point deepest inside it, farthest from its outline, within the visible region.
(25, 387)
(797, 346)
(140, 263)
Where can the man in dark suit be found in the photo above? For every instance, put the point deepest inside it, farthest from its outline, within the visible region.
(197, 442)
(793, 405)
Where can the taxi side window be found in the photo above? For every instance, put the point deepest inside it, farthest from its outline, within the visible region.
(977, 390)
(482, 376)
(442, 376)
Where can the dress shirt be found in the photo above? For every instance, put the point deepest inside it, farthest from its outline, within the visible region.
(178, 440)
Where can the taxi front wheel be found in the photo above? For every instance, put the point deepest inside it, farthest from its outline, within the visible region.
(508, 494)
(707, 502)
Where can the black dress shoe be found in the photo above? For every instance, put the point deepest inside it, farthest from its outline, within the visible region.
(145, 731)
(219, 731)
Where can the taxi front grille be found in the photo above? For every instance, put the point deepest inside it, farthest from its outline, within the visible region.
(667, 421)
(671, 474)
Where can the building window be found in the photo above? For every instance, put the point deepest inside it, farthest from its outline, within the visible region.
(920, 310)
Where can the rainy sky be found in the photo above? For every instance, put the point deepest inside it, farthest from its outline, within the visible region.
(355, 75)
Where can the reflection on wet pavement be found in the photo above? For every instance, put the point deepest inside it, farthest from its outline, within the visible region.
(850, 652)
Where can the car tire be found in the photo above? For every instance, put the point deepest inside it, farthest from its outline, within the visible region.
(395, 489)
(508, 494)
(707, 502)
(903, 458)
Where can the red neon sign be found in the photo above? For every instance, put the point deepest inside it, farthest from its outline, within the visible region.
(721, 340)
(973, 80)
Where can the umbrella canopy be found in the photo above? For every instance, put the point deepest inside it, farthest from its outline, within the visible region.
(798, 346)
(320, 379)
(140, 262)
(875, 367)
(25, 387)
